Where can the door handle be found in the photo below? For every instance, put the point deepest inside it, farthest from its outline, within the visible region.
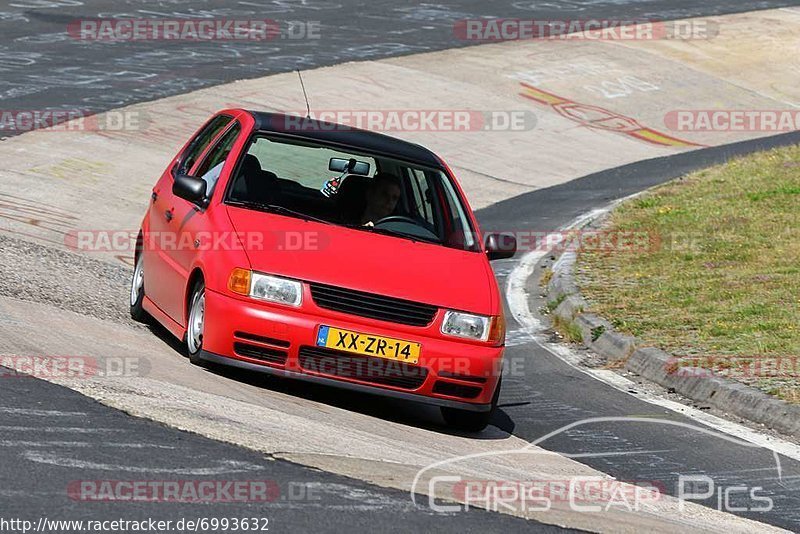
(169, 215)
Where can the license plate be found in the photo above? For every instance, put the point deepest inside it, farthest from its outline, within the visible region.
(368, 344)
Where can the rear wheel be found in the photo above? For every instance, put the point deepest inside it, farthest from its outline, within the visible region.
(197, 319)
(137, 293)
(471, 421)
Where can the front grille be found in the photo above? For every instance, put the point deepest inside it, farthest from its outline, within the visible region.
(261, 353)
(372, 306)
(456, 390)
(364, 368)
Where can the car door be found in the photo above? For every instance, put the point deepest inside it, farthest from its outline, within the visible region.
(161, 270)
(195, 231)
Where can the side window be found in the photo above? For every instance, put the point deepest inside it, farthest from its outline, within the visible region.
(200, 142)
(212, 165)
(422, 196)
(461, 232)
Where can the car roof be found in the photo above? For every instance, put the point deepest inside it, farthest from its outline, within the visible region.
(346, 136)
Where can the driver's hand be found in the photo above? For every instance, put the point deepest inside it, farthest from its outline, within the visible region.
(370, 223)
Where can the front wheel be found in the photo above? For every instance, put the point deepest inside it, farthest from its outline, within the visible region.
(197, 319)
(471, 421)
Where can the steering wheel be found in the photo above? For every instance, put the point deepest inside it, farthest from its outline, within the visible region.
(424, 226)
(397, 218)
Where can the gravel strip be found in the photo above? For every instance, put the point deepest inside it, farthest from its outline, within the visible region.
(69, 281)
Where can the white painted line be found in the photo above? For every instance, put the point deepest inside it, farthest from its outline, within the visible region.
(517, 299)
(75, 429)
(40, 413)
(80, 444)
(225, 467)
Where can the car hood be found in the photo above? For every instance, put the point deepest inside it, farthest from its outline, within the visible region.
(374, 263)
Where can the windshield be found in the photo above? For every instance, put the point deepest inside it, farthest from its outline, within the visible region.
(361, 191)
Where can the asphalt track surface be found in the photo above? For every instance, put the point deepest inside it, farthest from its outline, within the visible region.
(43, 69)
(550, 394)
(52, 438)
(57, 436)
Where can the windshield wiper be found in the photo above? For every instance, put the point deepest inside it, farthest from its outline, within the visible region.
(402, 235)
(274, 208)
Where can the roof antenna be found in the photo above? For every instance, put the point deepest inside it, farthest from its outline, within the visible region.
(308, 106)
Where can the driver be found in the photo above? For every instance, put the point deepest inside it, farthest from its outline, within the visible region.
(382, 198)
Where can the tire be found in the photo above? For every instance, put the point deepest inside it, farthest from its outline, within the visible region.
(468, 421)
(138, 313)
(196, 322)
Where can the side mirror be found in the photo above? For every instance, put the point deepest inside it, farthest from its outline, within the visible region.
(189, 188)
(500, 246)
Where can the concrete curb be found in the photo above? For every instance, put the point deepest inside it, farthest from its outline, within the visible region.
(658, 366)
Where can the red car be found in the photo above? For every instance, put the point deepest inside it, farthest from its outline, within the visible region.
(329, 254)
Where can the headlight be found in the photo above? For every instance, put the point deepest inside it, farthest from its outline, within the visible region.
(467, 325)
(275, 289)
(266, 287)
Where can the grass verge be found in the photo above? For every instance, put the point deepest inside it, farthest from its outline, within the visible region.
(720, 278)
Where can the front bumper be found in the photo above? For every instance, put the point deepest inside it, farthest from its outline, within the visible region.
(451, 373)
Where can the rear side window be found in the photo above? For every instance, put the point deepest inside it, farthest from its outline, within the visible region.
(200, 142)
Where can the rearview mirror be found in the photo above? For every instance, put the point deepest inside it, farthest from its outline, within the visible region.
(189, 188)
(500, 246)
(351, 166)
